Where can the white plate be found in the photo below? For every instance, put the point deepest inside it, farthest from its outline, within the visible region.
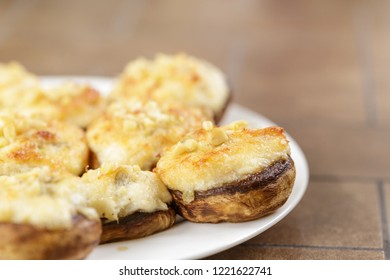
(187, 240)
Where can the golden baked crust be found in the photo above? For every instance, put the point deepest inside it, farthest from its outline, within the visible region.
(136, 132)
(77, 104)
(213, 156)
(26, 143)
(16, 84)
(21, 91)
(177, 78)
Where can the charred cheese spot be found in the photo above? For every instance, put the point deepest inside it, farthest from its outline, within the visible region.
(222, 155)
(46, 135)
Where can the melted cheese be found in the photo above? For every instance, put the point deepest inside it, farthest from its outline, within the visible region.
(38, 198)
(214, 156)
(136, 132)
(17, 85)
(179, 78)
(77, 104)
(26, 143)
(119, 191)
(21, 91)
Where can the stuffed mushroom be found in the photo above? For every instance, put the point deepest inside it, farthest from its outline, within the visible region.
(175, 78)
(131, 203)
(38, 221)
(228, 174)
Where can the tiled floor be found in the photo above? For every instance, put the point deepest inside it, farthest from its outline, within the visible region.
(344, 150)
(318, 68)
(342, 214)
(275, 252)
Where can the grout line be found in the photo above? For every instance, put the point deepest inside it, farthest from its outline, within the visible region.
(12, 16)
(313, 247)
(384, 220)
(337, 178)
(365, 60)
(125, 26)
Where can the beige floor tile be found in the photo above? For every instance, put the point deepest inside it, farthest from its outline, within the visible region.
(383, 101)
(375, 22)
(331, 214)
(63, 39)
(380, 44)
(318, 81)
(148, 45)
(192, 27)
(126, 30)
(4, 6)
(343, 150)
(288, 253)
